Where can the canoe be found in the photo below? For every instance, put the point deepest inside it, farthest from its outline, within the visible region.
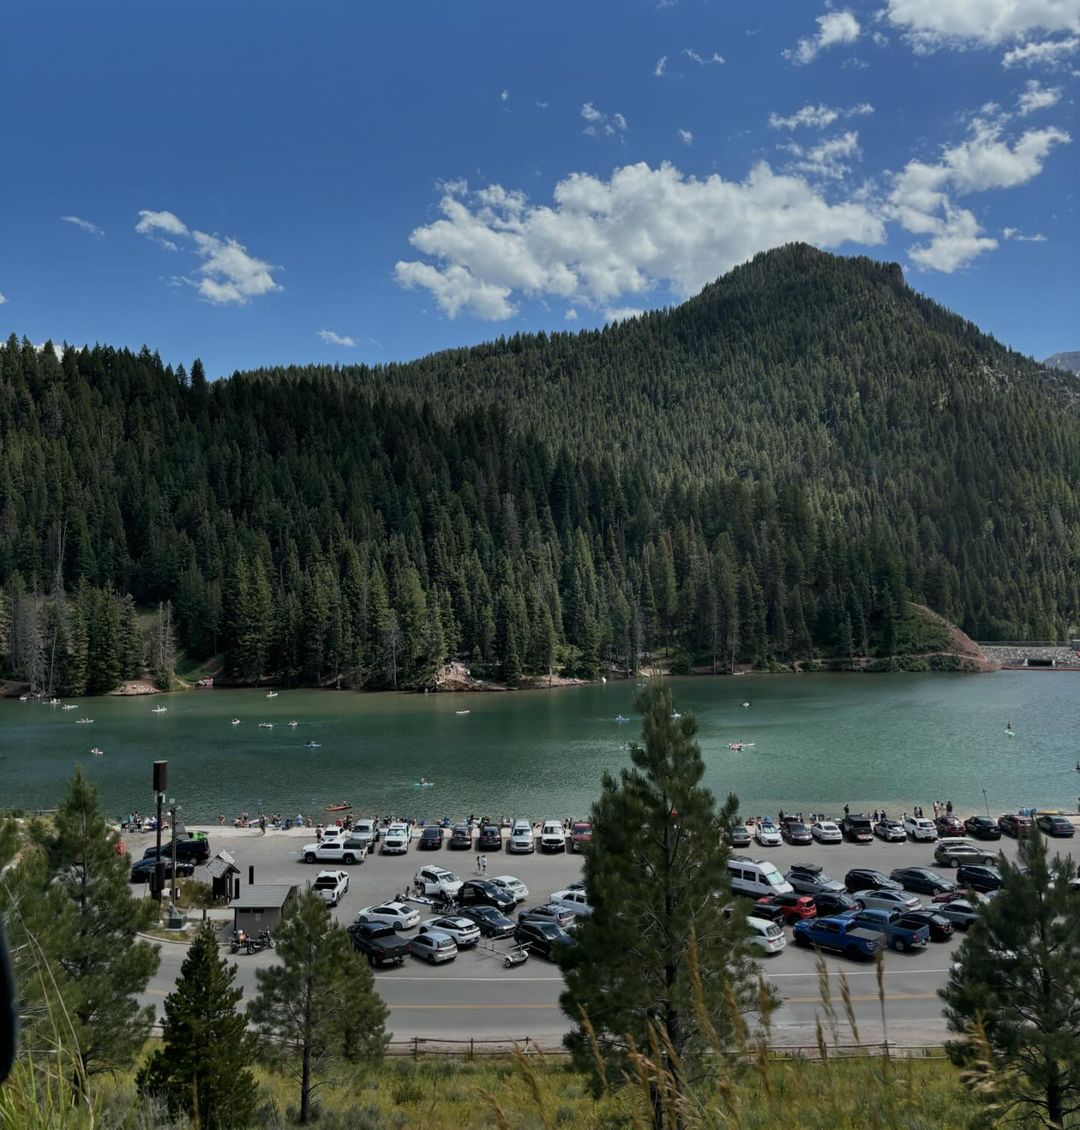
(338, 807)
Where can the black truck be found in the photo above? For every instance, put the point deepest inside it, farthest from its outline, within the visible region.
(380, 944)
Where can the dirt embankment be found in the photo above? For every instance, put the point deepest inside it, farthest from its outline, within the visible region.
(457, 677)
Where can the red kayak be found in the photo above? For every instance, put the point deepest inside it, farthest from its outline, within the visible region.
(338, 807)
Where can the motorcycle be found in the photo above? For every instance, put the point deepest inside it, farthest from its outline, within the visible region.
(241, 940)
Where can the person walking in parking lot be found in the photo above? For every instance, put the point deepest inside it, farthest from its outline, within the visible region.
(483, 865)
(478, 858)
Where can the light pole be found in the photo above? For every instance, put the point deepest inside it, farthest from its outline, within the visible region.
(173, 809)
(161, 783)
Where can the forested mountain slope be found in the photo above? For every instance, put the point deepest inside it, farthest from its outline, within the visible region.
(767, 472)
(1069, 361)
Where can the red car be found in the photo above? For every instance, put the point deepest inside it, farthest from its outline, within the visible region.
(949, 825)
(580, 835)
(795, 906)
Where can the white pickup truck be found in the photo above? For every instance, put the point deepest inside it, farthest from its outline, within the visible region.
(332, 885)
(336, 850)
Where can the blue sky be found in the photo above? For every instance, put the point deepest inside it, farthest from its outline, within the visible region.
(269, 183)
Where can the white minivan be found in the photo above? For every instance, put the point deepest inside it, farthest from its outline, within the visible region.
(521, 837)
(766, 935)
(553, 836)
(756, 877)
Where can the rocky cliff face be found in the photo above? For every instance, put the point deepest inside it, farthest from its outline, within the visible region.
(1069, 361)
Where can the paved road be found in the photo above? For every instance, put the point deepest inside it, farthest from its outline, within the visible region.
(475, 996)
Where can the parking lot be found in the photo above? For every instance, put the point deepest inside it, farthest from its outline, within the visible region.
(475, 996)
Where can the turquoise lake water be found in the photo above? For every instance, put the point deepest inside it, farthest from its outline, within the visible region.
(820, 741)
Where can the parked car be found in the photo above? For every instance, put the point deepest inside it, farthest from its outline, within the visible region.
(491, 922)
(922, 879)
(867, 879)
(366, 830)
(576, 901)
(580, 835)
(521, 838)
(980, 878)
(920, 829)
(397, 914)
(396, 841)
(767, 936)
(431, 839)
(464, 931)
(955, 854)
(900, 932)
(1054, 825)
(982, 828)
(543, 938)
(891, 831)
(949, 824)
(189, 850)
(826, 832)
(548, 912)
(515, 887)
(461, 838)
(795, 907)
(433, 947)
(338, 849)
(482, 892)
(1013, 824)
(960, 912)
(767, 834)
(796, 832)
(941, 929)
(768, 909)
(840, 935)
(379, 943)
(857, 828)
(438, 881)
(552, 836)
(810, 879)
(830, 903)
(490, 838)
(142, 871)
(755, 877)
(890, 900)
(331, 885)
(739, 836)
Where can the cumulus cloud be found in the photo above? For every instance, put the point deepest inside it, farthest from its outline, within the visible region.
(332, 338)
(832, 157)
(1037, 97)
(1017, 235)
(227, 274)
(931, 24)
(3, 298)
(834, 28)
(714, 58)
(922, 196)
(86, 225)
(601, 241)
(686, 137)
(1048, 53)
(818, 117)
(622, 313)
(599, 124)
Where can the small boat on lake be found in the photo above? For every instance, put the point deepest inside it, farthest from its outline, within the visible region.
(98, 752)
(344, 806)
(236, 721)
(461, 712)
(312, 745)
(69, 706)
(83, 721)
(266, 725)
(271, 694)
(160, 710)
(294, 724)
(621, 718)
(737, 746)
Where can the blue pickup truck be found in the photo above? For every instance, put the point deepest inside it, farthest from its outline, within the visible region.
(839, 934)
(898, 930)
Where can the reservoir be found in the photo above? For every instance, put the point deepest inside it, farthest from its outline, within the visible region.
(819, 741)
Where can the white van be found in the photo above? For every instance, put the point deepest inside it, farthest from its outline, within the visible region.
(552, 836)
(396, 840)
(521, 837)
(756, 877)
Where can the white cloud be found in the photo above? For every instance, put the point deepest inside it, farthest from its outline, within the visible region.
(228, 273)
(930, 24)
(712, 59)
(1017, 235)
(922, 194)
(833, 28)
(831, 158)
(622, 313)
(1048, 53)
(571, 315)
(86, 225)
(601, 241)
(818, 117)
(600, 124)
(1037, 97)
(686, 137)
(3, 298)
(332, 338)
(504, 95)
(661, 65)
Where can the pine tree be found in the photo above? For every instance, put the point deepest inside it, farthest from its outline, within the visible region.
(653, 869)
(105, 968)
(1014, 991)
(317, 1005)
(202, 1069)
(162, 651)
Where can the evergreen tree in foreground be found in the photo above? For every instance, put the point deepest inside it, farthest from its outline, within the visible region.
(202, 1070)
(1014, 993)
(102, 967)
(317, 1005)
(656, 873)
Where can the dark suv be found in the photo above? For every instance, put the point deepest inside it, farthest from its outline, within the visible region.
(1013, 824)
(490, 838)
(188, 851)
(461, 837)
(979, 877)
(857, 828)
(982, 828)
(867, 879)
(479, 892)
(430, 839)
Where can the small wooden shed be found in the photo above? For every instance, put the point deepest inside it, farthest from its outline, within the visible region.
(262, 906)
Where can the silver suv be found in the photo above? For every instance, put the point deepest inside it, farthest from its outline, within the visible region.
(809, 879)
